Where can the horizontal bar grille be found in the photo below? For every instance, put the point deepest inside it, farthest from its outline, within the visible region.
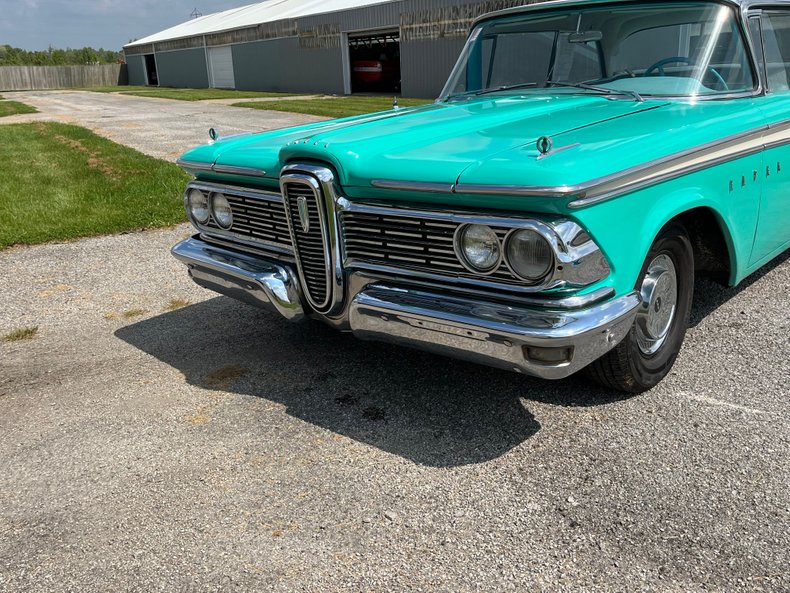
(310, 244)
(424, 245)
(257, 219)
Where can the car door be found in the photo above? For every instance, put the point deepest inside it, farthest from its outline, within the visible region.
(770, 28)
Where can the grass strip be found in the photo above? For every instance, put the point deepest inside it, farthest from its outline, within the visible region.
(334, 108)
(185, 94)
(61, 182)
(15, 108)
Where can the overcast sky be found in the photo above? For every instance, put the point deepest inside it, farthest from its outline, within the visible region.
(37, 24)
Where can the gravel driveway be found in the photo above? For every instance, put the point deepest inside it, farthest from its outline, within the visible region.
(162, 128)
(215, 447)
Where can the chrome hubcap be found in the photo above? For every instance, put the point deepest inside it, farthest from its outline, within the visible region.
(659, 303)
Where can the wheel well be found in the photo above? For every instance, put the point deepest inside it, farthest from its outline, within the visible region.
(711, 254)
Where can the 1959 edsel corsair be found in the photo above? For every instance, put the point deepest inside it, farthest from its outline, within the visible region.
(547, 214)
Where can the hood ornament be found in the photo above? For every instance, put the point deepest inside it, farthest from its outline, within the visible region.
(395, 103)
(544, 145)
(304, 214)
(213, 134)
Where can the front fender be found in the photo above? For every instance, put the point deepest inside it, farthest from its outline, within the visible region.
(626, 227)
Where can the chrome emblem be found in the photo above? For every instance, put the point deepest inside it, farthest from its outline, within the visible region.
(544, 145)
(304, 215)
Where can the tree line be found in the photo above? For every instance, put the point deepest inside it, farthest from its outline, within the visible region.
(14, 56)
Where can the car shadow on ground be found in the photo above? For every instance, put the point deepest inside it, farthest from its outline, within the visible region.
(429, 409)
(426, 408)
(710, 295)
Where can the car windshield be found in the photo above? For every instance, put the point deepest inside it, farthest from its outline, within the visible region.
(679, 49)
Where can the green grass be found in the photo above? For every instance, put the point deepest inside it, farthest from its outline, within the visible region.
(186, 94)
(114, 89)
(15, 108)
(22, 333)
(60, 182)
(340, 107)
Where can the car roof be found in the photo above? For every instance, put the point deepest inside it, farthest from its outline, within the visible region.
(538, 6)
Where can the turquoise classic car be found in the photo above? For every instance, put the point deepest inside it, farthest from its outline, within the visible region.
(549, 213)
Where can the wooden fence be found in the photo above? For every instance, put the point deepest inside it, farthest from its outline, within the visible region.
(26, 78)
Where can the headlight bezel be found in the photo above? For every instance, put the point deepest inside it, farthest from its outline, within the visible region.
(462, 256)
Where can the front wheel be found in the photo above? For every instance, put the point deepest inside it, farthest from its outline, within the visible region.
(649, 350)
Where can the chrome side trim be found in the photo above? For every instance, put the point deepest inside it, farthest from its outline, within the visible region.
(493, 334)
(195, 165)
(247, 278)
(227, 169)
(436, 188)
(233, 170)
(638, 177)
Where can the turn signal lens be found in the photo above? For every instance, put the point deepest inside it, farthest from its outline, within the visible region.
(529, 255)
(220, 208)
(478, 246)
(197, 203)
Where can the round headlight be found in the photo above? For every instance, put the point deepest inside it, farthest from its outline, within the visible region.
(529, 255)
(220, 208)
(197, 203)
(478, 246)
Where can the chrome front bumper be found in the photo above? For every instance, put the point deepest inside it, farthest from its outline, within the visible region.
(550, 344)
(247, 278)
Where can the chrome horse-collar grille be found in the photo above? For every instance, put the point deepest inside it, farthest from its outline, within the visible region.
(307, 219)
(310, 203)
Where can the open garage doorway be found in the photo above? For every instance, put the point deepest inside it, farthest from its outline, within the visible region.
(374, 60)
(151, 77)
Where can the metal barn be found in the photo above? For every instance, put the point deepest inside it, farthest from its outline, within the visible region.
(405, 47)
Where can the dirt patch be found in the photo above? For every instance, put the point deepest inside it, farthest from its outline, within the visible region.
(222, 378)
(94, 160)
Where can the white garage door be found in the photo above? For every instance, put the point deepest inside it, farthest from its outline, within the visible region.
(220, 60)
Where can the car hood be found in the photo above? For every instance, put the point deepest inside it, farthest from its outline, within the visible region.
(434, 143)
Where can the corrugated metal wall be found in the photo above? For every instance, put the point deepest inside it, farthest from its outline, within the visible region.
(280, 65)
(432, 35)
(182, 68)
(425, 66)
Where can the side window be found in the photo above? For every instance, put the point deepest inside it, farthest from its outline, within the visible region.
(776, 38)
(756, 33)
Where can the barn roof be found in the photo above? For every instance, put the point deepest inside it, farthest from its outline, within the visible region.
(252, 15)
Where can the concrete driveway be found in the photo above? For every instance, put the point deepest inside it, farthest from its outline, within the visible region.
(161, 128)
(215, 447)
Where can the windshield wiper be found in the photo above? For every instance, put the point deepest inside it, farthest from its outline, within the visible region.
(511, 87)
(601, 89)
